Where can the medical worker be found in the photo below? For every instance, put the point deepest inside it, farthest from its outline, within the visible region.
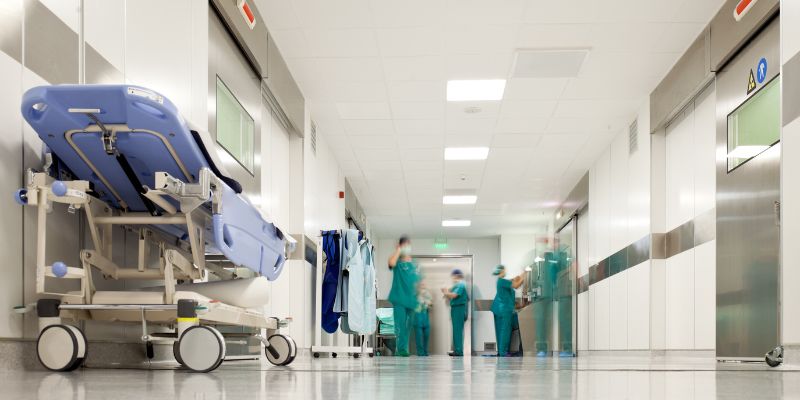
(403, 294)
(503, 308)
(422, 322)
(457, 294)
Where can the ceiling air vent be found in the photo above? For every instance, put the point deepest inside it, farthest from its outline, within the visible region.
(548, 63)
(314, 138)
(633, 137)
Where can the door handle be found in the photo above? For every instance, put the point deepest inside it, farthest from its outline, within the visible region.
(776, 208)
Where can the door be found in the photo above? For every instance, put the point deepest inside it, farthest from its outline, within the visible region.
(436, 275)
(565, 308)
(748, 191)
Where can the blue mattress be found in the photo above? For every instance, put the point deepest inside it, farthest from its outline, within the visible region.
(151, 136)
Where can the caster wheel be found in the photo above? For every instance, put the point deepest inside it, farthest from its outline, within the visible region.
(316, 355)
(371, 355)
(282, 350)
(201, 349)
(356, 355)
(176, 352)
(772, 362)
(333, 355)
(61, 348)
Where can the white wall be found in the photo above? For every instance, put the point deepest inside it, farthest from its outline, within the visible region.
(690, 186)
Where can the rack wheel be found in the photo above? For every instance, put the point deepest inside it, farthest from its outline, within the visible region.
(201, 348)
(176, 352)
(316, 355)
(772, 362)
(282, 350)
(61, 348)
(371, 355)
(356, 355)
(334, 355)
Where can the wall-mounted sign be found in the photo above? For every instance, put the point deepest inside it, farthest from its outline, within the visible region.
(742, 7)
(761, 70)
(751, 83)
(247, 13)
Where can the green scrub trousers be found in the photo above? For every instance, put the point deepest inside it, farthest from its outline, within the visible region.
(458, 316)
(503, 310)
(422, 334)
(403, 297)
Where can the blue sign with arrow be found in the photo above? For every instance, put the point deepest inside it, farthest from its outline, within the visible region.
(761, 71)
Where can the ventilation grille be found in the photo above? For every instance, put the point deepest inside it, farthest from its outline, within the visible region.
(633, 137)
(314, 138)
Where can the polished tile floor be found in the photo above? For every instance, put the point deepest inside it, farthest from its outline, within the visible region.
(413, 378)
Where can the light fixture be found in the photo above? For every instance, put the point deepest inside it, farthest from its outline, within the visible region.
(456, 223)
(466, 153)
(476, 90)
(459, 199)
(746, 151)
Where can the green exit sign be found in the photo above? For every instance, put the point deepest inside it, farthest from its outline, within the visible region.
(440, 244)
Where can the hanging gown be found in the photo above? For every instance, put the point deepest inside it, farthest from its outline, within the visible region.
(331, 245)
(350, 296)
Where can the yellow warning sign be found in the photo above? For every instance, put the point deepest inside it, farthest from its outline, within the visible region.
(751, 83)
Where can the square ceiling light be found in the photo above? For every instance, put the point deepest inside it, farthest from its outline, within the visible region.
(476, 90)
(460, 199)
(535, 63)
(456, 223)
(465, 153)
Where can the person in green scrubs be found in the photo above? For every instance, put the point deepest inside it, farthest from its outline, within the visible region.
(403, 294)
(457, 294)
(422, 322)
(503, 308)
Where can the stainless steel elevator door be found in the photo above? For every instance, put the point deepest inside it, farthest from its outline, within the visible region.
(748, 235)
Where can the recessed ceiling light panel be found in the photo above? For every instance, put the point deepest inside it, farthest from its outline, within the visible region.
(476, 90)
(456, 223)
(459, 199)
(466, 153)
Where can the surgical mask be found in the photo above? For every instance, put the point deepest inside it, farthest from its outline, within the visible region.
(405, 251)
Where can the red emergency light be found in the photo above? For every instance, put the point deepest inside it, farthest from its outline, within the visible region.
(742, 8)
(247, 13)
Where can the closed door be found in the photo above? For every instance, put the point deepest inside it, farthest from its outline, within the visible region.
(436, 275)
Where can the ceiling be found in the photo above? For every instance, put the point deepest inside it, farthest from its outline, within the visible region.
(374, 74)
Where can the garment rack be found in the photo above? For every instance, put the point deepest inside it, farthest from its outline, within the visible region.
(318, 348)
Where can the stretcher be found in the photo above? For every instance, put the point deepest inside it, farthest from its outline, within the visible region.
(125, 157)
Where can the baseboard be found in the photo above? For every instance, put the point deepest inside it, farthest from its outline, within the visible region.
(791, 354)
(648, 353)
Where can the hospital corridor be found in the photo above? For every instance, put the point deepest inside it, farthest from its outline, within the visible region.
(417, 199)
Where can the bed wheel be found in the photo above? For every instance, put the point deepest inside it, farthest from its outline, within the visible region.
(176, 352)
(356, 355)
(282, 350)
(61, 348)
(316, 355)
(201, 348)
(334, 355)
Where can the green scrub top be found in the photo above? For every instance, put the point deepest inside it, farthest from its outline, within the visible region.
(460, 289)
(504, 299)
(404, 285)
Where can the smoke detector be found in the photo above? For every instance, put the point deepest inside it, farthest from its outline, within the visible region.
(472, 110)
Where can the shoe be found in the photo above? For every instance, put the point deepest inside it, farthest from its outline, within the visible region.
(541, 354)
(402, 354)
(565, 354)
(454, 354)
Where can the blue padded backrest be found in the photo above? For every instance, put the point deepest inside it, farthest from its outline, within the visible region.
(46, 110)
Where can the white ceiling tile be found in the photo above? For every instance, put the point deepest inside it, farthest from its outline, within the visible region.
(416, 41)
(466, 39)
(522, 125)
(554, 36)
(467, 140)
(420, 142)
(421, 68)
(278, 14)
(333, 91)
(550, 12)
(478, 66)
(481, 12)
(338, 14)
(534, 89)
(368, 127)
(417, 91)
(515, 140)
(472, 110)
(597, 108)
(360, 142)
(423, 155)
(471, 126)
(418, 127)
(292, 43)
(381, 155)
(364, 110)
(418, 110)
(407, 13)
(342, 42)
(527, 108)
(357, 69)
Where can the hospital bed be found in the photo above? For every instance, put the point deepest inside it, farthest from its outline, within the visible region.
(124, 156)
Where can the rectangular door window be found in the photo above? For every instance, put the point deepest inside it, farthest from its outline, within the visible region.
(235, 127)
(755, 126)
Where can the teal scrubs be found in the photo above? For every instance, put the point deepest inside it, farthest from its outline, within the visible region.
(422, 327)
(458, 316)
(403, 297)
(503, 310)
